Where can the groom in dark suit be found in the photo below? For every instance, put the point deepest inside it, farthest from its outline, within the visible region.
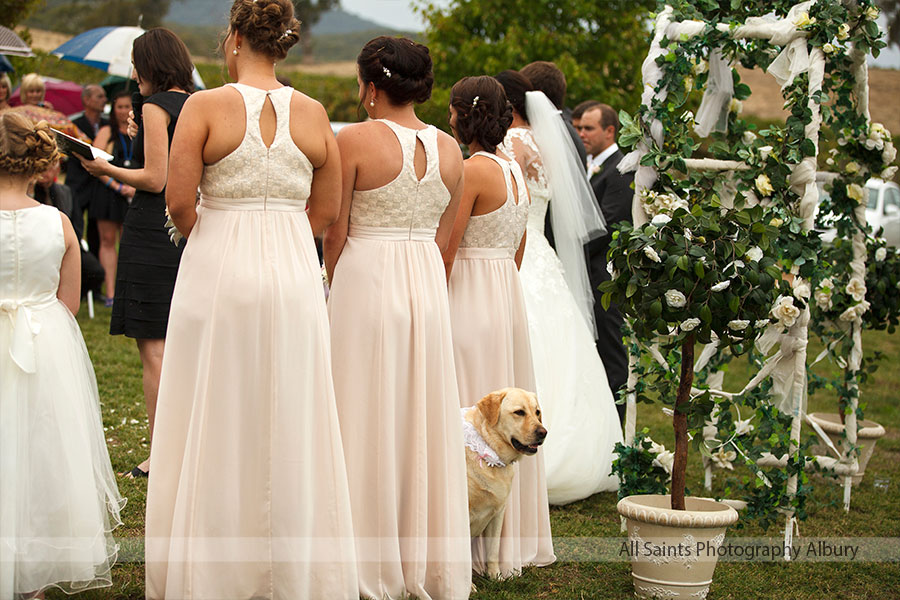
(598, 129)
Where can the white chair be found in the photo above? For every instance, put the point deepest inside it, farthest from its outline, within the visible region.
(90, 293)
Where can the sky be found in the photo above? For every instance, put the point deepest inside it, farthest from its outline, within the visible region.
(399, 14)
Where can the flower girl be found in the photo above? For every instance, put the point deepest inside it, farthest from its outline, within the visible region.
(58, 495)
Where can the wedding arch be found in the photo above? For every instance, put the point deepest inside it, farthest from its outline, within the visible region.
(817, 52)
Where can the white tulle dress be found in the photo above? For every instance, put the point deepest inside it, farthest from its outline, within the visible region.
(58, 494)
(578, 407)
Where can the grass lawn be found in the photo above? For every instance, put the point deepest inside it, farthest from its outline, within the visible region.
(873, 513)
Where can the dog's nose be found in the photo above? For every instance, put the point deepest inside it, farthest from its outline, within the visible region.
(540, 433)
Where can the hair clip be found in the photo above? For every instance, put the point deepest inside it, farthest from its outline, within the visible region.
(387, 72)
(286, 33)
(475, 101)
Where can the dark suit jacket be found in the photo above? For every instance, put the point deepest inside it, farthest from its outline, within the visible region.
(614, 195)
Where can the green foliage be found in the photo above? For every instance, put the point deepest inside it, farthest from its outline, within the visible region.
(13, 12)
(637, 467)
(598, 45)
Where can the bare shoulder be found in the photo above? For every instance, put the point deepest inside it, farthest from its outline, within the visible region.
(68, 230)
(360, 133)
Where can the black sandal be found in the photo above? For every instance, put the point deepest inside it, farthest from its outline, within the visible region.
(136, 473)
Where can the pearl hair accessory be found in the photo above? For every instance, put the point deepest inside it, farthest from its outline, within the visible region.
(387, 72)
(286, 33)
(475, 101)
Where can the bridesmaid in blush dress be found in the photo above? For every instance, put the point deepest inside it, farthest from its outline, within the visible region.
(392, 350)
(487, 310)
(249, 495)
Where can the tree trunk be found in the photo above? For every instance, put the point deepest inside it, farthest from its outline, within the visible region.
(682, 400)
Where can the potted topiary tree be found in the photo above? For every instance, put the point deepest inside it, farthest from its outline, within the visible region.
(697, 271)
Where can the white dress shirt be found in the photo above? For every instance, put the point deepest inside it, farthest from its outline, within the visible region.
(596, 162)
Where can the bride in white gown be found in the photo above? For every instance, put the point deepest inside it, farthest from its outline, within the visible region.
(578, 407)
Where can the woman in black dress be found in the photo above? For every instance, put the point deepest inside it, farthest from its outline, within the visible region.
(108, 204)
(148, 261)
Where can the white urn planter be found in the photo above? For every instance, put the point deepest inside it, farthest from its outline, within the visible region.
(868, 433)
(674, 552)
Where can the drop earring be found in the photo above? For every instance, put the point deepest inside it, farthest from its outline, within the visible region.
(371, 103)
(234, 51)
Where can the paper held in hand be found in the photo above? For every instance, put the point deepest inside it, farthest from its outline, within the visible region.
(70, 145)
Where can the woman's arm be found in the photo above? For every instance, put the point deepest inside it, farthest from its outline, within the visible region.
(152, 177)
(186, 162)
(452, 173)
(336, 235)
(474, 172)
(69, 290)
(324, 205)
(103, 137)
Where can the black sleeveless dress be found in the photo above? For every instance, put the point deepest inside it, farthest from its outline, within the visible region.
(148, 260)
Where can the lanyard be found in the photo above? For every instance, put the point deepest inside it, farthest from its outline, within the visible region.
(127, 148)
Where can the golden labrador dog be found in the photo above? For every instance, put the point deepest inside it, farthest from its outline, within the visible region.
(508, 422)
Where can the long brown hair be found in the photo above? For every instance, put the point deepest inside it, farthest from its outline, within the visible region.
(162, 60)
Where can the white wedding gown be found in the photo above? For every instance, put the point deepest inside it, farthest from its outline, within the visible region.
(578, 407)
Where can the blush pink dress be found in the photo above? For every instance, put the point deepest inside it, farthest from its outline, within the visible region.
(492, 351)
(248, 493)
(395, 384)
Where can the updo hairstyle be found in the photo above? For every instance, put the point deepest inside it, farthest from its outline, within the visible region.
(25, 148)
(482, 112)
(399, 67)
(268, 26)
(515, 85)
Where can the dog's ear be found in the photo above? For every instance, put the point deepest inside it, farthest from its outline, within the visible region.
(490, 406)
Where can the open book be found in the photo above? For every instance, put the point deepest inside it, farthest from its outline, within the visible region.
(70, 145)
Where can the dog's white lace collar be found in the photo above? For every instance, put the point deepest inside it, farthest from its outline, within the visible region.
(476, 443)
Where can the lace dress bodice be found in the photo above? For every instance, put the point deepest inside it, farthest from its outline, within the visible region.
(503, 227)
(519, 145)
(32, 246)
(405, 202)
(254, 176)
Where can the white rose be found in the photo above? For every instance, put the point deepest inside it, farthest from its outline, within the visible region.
(855, 192)
(856, 287)
(723, 458)
(735, 105)
(843, 32)
(721, 286)
(823, 299)
(738, 325)
(881, 254)
(801, 289)
(754, 254)
(749, 137)
(675, 299)
(827, 48)
(848, 315)
(889, 153)
(660, 220)
(842, 141)
(764, 185)
(829, 161)
(861, 308)
(743, 427)
(888, 173)
(877, 129)
(785, 311)
(665, 460)
(803, 19)
(765, 151)
(872, 13)
(690, 324)
(852, 167)
(656, 448)
(761, 324)
(651, 254)
(700, 67)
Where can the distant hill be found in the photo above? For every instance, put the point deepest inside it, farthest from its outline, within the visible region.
(205, 13)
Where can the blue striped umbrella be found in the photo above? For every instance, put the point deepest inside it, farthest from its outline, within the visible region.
(108, 49)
